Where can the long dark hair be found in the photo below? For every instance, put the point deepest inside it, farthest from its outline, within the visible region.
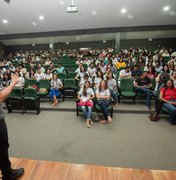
(106, 85)
(166, 83)
(84, 88)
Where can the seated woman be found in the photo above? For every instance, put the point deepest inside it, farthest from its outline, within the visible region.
(6, 80)
(98, 79)
(21, 81)
(85, 95)
(112, 85)
(56, 86)
(103, 99)
(168, 96)
(84, 79)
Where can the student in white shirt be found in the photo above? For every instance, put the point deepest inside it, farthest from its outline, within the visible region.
(112, 85)
(125, 73)
(49, 75)
(81, 74)
(91, 70)
(85, 95)
(103, 99)
(84, 79)
(21, 80)
(98, 79)
(56, 87)
(39, 75)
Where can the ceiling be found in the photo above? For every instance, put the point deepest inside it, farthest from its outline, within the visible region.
(23, 15)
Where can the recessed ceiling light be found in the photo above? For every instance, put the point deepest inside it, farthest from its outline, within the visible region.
(34, 24)
(41, 17)
(5, 21)
(150, 39)
(123, 11)
(166, 8)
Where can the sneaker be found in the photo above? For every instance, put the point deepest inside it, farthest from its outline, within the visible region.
(88, 125)
(148, 108)
(154, 93)
(16, 173)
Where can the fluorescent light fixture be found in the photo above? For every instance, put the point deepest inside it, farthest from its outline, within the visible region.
(150, 39)
(123, 11)
(166, 8)
(41, 17)
(5, 21)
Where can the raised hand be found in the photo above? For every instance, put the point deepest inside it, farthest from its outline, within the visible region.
(14, 79)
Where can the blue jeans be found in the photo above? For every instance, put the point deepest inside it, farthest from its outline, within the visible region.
(148, 94)
(87, 110)
(104, 107)
(172, 109)
(114, 94)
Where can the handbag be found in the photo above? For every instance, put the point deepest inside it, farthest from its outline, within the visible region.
(87, 103)
(154, 117)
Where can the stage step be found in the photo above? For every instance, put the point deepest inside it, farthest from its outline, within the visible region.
(44, 170)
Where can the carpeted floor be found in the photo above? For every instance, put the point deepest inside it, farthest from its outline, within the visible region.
(130, 141)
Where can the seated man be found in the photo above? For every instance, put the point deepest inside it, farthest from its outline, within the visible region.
(143, 85)
(60, 68)
(136, 72)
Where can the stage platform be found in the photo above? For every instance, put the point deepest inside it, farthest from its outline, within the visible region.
(45, 170)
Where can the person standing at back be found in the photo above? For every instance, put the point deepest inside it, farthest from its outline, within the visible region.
(5, 165)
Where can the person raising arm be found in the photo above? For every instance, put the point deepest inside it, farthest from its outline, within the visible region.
(5, 165)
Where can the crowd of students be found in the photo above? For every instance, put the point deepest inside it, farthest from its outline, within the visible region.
(98, 73)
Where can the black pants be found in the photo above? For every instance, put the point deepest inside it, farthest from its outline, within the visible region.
(5, 164)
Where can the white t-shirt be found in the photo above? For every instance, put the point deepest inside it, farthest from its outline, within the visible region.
(39, 76)
(49, 76)
(91, 71)
(90, 92)
(20, 82)
(56, 83)
(97, 81)
(112, 84)
(105, 92)
(83, 81)
(81, 75)
(124, 73)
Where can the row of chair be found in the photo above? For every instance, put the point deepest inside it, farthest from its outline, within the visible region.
(126, 87)
(23, 99)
